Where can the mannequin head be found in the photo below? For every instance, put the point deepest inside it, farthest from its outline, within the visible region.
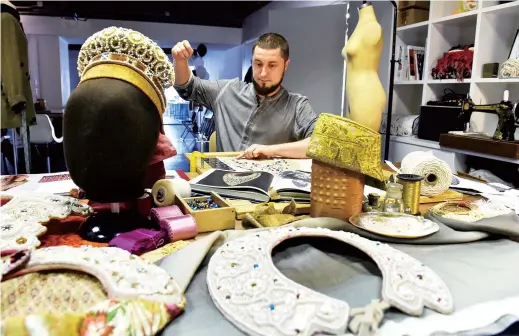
(110, 132)
(113, 119)
(270, 59)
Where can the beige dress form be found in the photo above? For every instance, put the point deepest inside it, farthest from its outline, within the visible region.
(366, 96)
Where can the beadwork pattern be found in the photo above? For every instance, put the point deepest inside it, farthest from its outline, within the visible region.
(469, 212)
(122, 274)
(254, 295)
(24, 215)
(395, 224)
(127, 42)
(234, 179)
(274, 166)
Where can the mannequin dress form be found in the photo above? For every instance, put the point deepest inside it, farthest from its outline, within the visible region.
(366, 96)
(344, 150)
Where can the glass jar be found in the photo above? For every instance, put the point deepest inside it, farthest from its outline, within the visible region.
(393, 201)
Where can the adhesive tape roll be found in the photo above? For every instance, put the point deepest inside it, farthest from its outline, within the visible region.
(164, 191)
(437, 174)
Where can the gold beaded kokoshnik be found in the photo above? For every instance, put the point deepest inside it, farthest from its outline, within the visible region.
(130, 56)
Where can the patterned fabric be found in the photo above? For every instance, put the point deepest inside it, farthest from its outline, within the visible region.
(165, 250)
(55, 178)
(50, 292)
(111, 317)
(342, 143)
(11, 181)
(266, 215)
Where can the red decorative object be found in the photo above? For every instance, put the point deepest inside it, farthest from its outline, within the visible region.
(454, 64)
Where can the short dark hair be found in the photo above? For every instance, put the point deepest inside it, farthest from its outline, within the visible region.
(273, 41)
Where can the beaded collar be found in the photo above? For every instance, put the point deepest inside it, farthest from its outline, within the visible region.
(252, 293)
(24, 216)
(142, 297)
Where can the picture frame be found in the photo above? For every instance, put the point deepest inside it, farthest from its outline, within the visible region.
(514, 50)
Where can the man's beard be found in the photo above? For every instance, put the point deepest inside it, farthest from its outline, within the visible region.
(265, 91)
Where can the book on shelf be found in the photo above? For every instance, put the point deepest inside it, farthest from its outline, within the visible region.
(409, 62)
(256, 186)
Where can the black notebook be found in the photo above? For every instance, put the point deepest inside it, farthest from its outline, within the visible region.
(255, 185)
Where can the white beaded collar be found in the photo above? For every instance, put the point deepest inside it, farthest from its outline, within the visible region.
(254, 295)
(123, 275)
(25, 215)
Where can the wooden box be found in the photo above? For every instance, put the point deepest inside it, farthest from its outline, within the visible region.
(404, 4)
(207, 220)
(410, 16)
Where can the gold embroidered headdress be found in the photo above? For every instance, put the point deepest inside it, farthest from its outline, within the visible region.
(129, 56)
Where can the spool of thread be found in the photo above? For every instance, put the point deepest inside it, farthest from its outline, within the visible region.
(411, 192)
(164, 191)
(336, 193)
(437, 174)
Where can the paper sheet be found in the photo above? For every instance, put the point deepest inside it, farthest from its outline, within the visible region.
(57, 187)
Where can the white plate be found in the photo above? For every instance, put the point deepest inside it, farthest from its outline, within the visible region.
(396, 225)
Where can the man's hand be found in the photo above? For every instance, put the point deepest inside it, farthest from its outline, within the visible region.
(182, 51)
(257, 152)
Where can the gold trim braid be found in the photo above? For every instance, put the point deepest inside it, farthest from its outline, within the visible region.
(127, 74)
(345, 144)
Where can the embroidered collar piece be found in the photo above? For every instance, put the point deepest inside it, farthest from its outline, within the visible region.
(252, 293)
(469, 212)
(123, 275)
(24, 215)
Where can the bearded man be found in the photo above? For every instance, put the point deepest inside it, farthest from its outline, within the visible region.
(260, 119)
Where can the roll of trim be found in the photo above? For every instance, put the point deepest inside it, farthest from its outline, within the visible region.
(179, 228)
(164, 191)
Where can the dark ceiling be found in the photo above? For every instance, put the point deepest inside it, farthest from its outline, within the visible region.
(206, 13)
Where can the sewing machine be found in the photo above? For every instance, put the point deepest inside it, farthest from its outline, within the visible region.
(506, 111)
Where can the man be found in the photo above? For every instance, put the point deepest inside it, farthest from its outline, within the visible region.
(261, 118)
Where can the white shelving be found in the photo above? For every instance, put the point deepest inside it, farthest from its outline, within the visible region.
(491, 28)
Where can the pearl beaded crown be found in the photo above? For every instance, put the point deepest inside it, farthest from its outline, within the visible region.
(129, 48)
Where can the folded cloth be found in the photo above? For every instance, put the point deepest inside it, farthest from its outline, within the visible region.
(506, 225)
(139, 241)
(266, 215)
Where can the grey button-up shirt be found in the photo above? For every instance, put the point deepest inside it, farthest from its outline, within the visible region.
(241, 120)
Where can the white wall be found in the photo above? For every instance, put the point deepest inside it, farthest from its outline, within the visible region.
(258, 22)
(65, 70)
(316, 64)
(231, 65)
(45, 69)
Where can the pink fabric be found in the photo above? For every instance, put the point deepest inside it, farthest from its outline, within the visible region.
(165, 212)
(139, 241)
(179, 228)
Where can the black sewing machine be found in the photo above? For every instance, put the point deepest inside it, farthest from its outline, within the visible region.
(506, 111)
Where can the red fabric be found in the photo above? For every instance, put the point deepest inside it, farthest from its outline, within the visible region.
(156, 170)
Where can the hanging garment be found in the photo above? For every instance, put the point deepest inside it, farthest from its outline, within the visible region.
(16, 87)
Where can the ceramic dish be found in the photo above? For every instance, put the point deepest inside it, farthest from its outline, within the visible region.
(396, 225)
